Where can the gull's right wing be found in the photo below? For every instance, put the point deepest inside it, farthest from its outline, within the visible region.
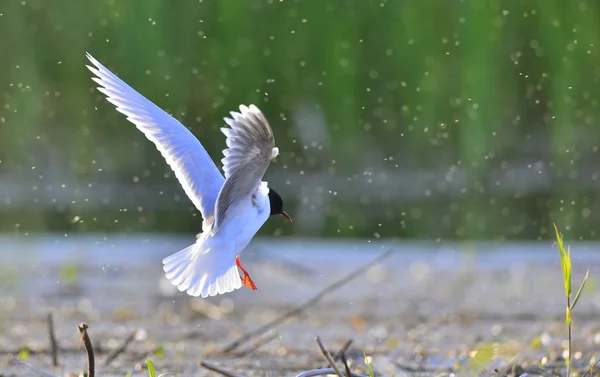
(250, 149)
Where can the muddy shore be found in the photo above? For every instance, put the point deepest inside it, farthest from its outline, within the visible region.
(429, 309)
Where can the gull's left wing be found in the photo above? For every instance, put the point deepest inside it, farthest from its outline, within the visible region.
(199, 176)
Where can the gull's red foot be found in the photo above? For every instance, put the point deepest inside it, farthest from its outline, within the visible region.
(246, 280)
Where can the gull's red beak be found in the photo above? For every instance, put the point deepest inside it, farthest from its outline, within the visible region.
(285, 214)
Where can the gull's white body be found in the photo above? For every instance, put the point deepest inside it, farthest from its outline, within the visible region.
(210, 262)
(233, 207)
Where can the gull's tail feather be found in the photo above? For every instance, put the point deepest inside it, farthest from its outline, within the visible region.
(202, 272)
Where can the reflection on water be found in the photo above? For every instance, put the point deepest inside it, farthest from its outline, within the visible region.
(137, 250)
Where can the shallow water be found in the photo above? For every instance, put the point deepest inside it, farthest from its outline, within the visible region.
(445, 298)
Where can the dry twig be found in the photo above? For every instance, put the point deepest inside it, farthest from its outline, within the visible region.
(35, 370)
(307, 304)
(328, 357)
(591, 368)
(342, 352)
(253, 348)
(325, 372)
(87, 343)
(118, 351)
(219, 370)
(53, 342)
(346, 366)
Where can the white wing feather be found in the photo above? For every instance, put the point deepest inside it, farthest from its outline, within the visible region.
(193, 167)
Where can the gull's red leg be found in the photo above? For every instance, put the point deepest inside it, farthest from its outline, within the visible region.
(246, 280)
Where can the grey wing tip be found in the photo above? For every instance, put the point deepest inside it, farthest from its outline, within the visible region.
(250, 109)
(228, 121)
(247, 112)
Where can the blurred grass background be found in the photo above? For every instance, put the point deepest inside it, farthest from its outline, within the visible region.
(474, 119)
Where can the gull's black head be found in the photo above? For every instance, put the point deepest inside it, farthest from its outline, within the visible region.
(277, 204)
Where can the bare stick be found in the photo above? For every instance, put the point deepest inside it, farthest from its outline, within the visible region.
(591, 368)
(346, 366)
(118, 351)
(256, 346)
(87, 343)
(328, 357)
(219, 370)
(53, 342)
(325, 372)
(307, 304)
(32, 368)
(343, 351)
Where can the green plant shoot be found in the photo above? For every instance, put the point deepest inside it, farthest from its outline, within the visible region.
(151, 370)
(565, 263)
(368, 362)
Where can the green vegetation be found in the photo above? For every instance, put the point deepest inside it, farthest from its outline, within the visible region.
(368, 364)
(69, 273)
(565, 262)
(151, 370)
(24, 354)
(505, 91)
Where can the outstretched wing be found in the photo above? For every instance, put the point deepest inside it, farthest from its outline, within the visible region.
(193, 167)
(251, 147)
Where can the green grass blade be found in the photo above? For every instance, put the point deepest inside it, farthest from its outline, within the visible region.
(580, 289)
(568, 270)
(368, 362)
(151, 370)
(559, 241)
(565, 262)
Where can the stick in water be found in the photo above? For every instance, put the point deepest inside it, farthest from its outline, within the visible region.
(328, 357)
(216, 369)
(118, 351)
(87, 343)
(53, 342)
(307, 304)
